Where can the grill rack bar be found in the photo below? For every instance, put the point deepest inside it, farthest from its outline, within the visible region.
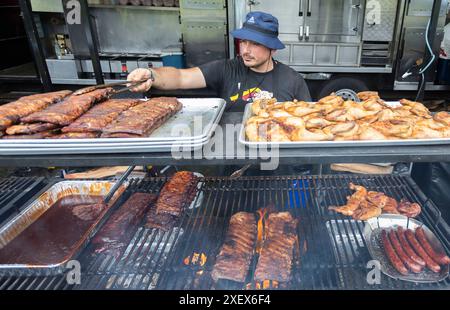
(324, 263)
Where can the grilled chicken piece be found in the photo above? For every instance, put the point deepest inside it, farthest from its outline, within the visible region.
(332, 100)
(26, 129)
(377, 198)
(366, 211)
(311, 135)
(353, 201)
(417, 108)
(260, 129)
(317, 123)
(233, 261)
(275, 260)
(442, 117)
(369, 133)
(365, 95)
(177, 193)
(391, 206)
(262, 104)
(409, 209)
(70, 109)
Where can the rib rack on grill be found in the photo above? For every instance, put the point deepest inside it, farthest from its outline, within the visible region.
(275, 261)
(235, 256)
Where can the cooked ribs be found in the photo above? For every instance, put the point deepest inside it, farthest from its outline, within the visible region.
(38, 135)
(10, 113)
(177, 193)
(65, 112)
(118, 231)
(235, 256)
(163, 221)
(101, 115)
(144, 118)
(76, 135)
(275, 261)
(26, 129)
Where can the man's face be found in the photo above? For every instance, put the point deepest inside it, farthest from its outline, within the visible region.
(254, 54)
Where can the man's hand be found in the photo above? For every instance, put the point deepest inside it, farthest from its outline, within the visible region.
(138, 75)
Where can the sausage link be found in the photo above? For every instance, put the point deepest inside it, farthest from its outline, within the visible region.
(407, 247)
(413, 266)
(440, 258)
(418, 248)
(392, 256)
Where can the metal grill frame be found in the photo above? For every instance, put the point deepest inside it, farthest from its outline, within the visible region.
(154, 260)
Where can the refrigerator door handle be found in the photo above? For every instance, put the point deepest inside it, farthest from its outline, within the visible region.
(300, 10)
(307, 33)
(300, 33)
(309, 8)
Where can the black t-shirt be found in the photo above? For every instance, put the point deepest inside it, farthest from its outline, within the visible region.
(237, 84)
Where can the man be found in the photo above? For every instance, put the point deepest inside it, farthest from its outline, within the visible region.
(253, 75)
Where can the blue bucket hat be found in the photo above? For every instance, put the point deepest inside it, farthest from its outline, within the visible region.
(262, 28)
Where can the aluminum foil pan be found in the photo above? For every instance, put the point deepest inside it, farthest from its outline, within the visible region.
(372, 232)
(37, 208)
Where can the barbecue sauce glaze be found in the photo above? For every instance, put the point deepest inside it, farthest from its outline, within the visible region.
(53, 237)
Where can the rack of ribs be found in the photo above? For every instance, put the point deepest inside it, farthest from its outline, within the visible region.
(113, 238)
(47, 134)
(10, 113)
(141, 120)
(65, 112)
(100, 115)
(27, 129)
(77, 135)
(177, 193)
(233, 261)
(275, 261)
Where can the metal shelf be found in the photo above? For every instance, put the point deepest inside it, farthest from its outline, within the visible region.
(241, 156)
(135, 7)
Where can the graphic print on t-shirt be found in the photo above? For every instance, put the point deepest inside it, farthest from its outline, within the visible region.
(252, 94)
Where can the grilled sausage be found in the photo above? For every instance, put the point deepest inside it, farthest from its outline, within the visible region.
(440, 258)
(418, 248)
(412, 265)
(407, 247)
(392, 255)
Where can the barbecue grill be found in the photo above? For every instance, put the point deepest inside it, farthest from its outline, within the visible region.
(331, 254)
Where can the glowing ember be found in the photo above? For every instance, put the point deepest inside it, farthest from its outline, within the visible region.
(264, 285)
(196, 259)
(261, 231)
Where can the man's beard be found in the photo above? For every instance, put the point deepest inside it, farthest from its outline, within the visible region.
(259, 65)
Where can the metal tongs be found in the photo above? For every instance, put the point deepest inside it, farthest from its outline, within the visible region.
(119, 183)
(129, 84)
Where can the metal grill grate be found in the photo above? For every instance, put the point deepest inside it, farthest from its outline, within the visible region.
(14, 192)
(333, 253)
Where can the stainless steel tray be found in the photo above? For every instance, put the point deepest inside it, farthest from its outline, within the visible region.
(32, 212)
(372, 232)
(124, 148)
(195, 122)
(302, 144)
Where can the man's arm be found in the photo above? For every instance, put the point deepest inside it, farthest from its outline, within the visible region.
(168, 78)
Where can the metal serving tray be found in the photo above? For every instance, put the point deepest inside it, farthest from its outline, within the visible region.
(302, 144)
(182, 127)
(68, 149)
(372, 231)
(32, 212)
